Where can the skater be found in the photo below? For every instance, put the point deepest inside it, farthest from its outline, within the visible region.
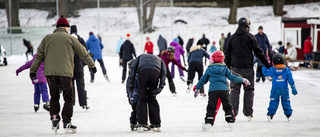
(78, 75)
(148, 46)
(263, 42)
(181, 44)
(189, 45)
(307, 50)
(195, 58)
(29, 48)
(292, 53)
(217, 74)
(40, 86)
(120, 42)
(239, 57)
(281, 47)
(3, 57)
(58, 69)
(205, 42)
(213, 47)
(126, 52)
(281, 77)
(221, 42)
(178, 52)
(259, 74)
(95, 47)
(168, 56)
(162, 43)
(152, 76)
(225, 43)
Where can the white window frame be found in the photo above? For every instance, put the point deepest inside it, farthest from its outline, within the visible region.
(296, 44)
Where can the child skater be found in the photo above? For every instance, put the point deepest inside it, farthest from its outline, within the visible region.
(217, 74)
(40, 85)
(281, 76)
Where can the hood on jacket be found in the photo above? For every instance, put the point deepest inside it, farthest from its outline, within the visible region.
(241, 30)
(216, 68)
(193, 48)
(92, 38)
(174, 43)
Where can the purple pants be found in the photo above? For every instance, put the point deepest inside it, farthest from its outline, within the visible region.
(172, 69)
(40, 89)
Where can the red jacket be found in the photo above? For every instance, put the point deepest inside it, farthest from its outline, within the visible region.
(307, 47)
(148, 47)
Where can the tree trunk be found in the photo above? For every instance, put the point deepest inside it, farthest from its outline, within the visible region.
(15, 6)
(139, 12)
(278, 7)
(151, 15)
(144, 17)
(64, 8)
(147, 22)
(233, 11)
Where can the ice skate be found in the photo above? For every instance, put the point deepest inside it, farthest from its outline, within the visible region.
(55, 123)
(249, 118)
(288, 117)
(196, 92)
(85, 107)
(46, 106)
(133, 127)
(205, 127)
(189, 88)
(155, 128)
(142, 128)
(106, 77)
(270, 117)
(203, 94)
(91, 80)
(182, 78)
(174, 94)
(231, 126)
(69, 128)
(36, 107)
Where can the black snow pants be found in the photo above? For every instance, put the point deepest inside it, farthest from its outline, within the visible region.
(133, 117)
(171, 84)
(82, 93)
(124, 70)
(148, 81)
(212, 103)
(194, 67)
(248, 91)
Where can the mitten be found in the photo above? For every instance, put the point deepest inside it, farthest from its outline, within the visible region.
(94, 69)
(246, 81)
(17, 72)
(294, 90)
(33, 76)
(185, 70)
(91, 54)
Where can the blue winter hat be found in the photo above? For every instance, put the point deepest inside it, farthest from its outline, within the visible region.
(176, 40)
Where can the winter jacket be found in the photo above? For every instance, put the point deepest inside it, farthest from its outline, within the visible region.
(292, 52)
(40, 75)
(221, 43)
(189, 45)
(120, 42)
(213, 49)
(281, 49)
(165, 57)
(134, 95)
(148, 61)
(127, 50)
(307, 47)
(280, 77)
(95, 46)
(239, 50)
(178, 50)
(263, 41)
(78, 62)
(57, 50)
(162, 43)
(205, 41)
(217, 75)
(180, 41)
(196, 54)
(148, 47)
(225, 43)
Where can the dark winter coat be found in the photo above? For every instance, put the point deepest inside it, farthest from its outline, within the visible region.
(263, 41)
(162, 43)
(78, 62)
(205, 41)
(95, 46)
(239, 50)
(217, 75)
(40, 74)
(180, 41)
(127, 50)
(133, 96)
(189, 44)
(196, 54)
(225, 43)
(148, 61)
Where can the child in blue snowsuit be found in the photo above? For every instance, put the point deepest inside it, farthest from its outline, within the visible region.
(281, 76)
(133, 97)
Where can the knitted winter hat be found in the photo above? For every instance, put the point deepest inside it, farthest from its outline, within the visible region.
(62, 22)
(128, 35)
(260, 27)
(73, 29)
(176, 40)
(199, 42)
(90, 33)
(308, 38)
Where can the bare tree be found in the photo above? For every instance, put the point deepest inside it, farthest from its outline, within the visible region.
(278, 7)
(233, 11)
(15, 6)
(64, 8)
(146, 22)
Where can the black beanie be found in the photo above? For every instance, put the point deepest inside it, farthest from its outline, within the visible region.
(199, 42)
(73, 29)
(260, 27)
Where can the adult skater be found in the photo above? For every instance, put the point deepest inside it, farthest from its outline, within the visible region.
(181, 44)
(225, 43)
(205, 42)
(126, 52)
(195, 62)
(95, 47)
(239, 57)
(29, 48)
(178, 52)
(168, 56)
(221, 42)
(3, 57)
(263, 42)
(58, 69)
(162, 44)
(148, 47)
(119, 43)
(189, 44)
(78, 75)
(151, 68)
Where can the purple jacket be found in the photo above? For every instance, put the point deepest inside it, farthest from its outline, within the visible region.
(178, 50)
(40, 75)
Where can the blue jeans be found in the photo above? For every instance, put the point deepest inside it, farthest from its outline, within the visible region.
(308, 57)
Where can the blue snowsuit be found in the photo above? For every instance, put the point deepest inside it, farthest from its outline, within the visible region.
(281, 77)
(133, 98)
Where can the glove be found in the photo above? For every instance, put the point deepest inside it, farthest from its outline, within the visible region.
(185, 70)
(17, 72)
(94, 69)
(157, 91)
(131, 87)
(294, 90)
(91, 54)
(33, 76)
(268, 66)
(246, 81)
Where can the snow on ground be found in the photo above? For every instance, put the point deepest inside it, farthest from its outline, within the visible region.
(181, 116)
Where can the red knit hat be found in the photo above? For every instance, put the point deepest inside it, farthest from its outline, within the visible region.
(62, 22)
(128, 35)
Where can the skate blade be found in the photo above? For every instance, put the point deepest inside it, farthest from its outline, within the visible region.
(231, 126)
(189, 88)
(55, 129)
(140, 130)
(156, 129)
(70, 131)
